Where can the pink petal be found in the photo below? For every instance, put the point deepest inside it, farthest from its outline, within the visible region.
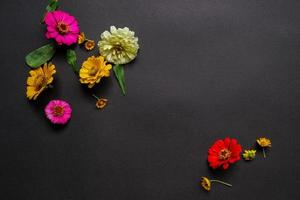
(51, 34)
(69, 20)
(70, 39)
(74, 28)
(59, 39)
(59, 15)
(50, 19)
(51, 29)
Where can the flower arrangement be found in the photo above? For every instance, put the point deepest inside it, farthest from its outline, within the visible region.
(225, 152)
(117, 47)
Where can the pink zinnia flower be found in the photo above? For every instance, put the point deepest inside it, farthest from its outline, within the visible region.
(58, 111)
(62, 27)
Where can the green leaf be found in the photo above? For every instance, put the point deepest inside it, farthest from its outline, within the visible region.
(71, 59)
(119, 73)
(40, 56)
(52, 6)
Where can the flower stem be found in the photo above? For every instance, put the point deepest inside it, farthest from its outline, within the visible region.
(224, 183)
(95, 96)
(264, 152)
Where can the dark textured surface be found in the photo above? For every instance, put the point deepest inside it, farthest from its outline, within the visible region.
(207, 69)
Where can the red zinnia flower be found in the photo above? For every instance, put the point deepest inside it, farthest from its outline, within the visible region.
(224, 152)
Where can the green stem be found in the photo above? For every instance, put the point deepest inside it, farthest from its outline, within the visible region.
(224, 183)
(95, 96)
(264, 152)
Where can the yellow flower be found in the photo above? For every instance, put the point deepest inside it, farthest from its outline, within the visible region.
(206, 183)
(119, 46)
(93, 69)
(101, 103)
(39, 79)
(89, 45)
(249, 154)
(81, 38)
(264, 142)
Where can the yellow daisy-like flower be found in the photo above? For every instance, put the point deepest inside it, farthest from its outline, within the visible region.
(206, 183)
(89, 45)
(39, 79)
(93, 69)
(249, 154)
(81, 38)
(264, 142)
(119, 46)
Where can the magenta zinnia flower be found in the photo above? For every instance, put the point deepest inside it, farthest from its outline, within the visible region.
(58, 111)
(62, 27)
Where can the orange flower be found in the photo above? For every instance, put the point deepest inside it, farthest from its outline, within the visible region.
(101, 103)
(39, 79)
(89, 45)
(93, 70)
(206, 183)
(81, 38)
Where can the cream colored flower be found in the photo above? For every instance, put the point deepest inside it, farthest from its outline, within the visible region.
(119, 46)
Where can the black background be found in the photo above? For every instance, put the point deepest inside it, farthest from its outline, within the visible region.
(206, 69)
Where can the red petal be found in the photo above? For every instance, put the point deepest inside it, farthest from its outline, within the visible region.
(225, 166)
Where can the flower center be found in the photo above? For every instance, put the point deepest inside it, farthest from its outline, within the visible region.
(118, 48)
(89, 44)
(93, 71)
(100, 103)
(40, 82)
(62, 28)
(263, 143)
(224, 154)
(58, 111)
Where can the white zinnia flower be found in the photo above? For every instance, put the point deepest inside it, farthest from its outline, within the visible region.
(119, 46)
